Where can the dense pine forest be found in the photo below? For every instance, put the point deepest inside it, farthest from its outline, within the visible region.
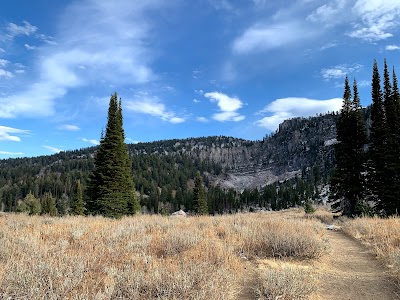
(164, 172)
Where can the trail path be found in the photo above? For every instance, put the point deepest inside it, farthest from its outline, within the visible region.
(351, 272)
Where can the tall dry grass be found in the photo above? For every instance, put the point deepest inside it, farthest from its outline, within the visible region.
(144, 257)
(382, 235)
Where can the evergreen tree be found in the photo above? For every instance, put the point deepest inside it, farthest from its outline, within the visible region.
(111, 190)
(33, 204)
(377, 143)
(389, 204)
(49, 205)
(359, 132)
(348, 183)
(77, 207)
(199, 197)
(62, 204)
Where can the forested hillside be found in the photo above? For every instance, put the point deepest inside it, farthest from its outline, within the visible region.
(282, 170)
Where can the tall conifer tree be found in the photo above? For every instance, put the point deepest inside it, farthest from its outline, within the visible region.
(377, 142)
(199, 197)
(392, 179)
(77, 206)
(348, 183)
(111, 190)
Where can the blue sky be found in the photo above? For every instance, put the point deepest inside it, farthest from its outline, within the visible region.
(182, 68)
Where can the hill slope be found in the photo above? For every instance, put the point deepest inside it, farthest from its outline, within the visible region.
(164, 170)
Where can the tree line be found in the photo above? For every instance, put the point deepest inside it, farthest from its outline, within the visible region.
(367, 174)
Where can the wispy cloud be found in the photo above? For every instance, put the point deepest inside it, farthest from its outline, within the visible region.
(6, 133)
(29, 47)
(53, 149)
(392, 47)
(68, 127)
(5, 74)
(329, 13)
(378, 19)
(91, 141)
(263, 37)
(282, 109)
(201, 119)
(11, 153)
(340, 71)
(3, 62)
(152, 105)
(228, 107)
(13, 30)
(328, 46)
(84, 41)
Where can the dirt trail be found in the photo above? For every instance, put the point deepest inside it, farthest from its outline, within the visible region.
(351, 272)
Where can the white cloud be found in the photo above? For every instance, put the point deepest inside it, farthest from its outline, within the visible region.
(224, 102)
(228, 107)
(328, 13)
(228, 116)
(379, 19)
(2, 50)
(91, 141)
(202, 119)
(328, 46)
(282, 109)
(29, 47)
(152, 105)
(14, 30)
(20, 71)
(340, 71)
(392, 47)
(3, 62)
(69, 127)
(196, 101)
(200, 92)
(176, 120)
(5, 74)
(84, 40)
(261, 37)
(11, 153)
(53, 149)
(6, 136)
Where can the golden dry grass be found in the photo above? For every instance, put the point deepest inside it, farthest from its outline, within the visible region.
(148, 257)
(381, 235)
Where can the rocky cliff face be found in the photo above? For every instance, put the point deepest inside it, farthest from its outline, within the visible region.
(298, 146)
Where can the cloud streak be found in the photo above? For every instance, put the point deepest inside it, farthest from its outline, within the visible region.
(53, 149)
(152, 105)
(286, 108)
(340, 71)
(264, 37)
(91, 141)
(69, 127)
(85, 42)
(9, 133)
(11, 153)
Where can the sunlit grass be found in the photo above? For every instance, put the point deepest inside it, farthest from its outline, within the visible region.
(146, 257)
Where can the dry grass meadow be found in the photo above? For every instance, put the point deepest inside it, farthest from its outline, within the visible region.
(154, 257)
(243, 256)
